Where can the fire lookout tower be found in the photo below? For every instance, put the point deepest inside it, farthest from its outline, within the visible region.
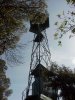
(40, 62)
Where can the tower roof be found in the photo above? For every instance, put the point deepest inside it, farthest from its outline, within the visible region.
(35, 28)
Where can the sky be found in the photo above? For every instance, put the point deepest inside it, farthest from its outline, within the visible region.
(62, 55)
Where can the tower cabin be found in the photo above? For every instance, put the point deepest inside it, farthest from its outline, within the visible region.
(38, 28)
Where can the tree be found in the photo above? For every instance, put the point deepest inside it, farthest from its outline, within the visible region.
(71, 1)
(4, 82)
(62, 79)
(66, 23)
(13, 16)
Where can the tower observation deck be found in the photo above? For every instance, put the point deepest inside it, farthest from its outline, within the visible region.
(40, 63)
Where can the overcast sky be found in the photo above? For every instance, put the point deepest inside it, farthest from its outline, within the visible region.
(62, 55)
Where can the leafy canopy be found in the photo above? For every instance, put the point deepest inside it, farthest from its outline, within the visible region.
(4, 82)
(65, 25)
(71, 1)
(62, 78)
(13, 15)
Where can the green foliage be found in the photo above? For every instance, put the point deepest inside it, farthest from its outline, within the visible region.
(65, 24)
(38, 13)
(4, 82)
(13, 14)
(63, 79)
(71, 1)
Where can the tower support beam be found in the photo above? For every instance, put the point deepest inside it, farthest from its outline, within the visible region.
(40, 61)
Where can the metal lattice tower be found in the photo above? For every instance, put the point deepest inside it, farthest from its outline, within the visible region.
(40, 57)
